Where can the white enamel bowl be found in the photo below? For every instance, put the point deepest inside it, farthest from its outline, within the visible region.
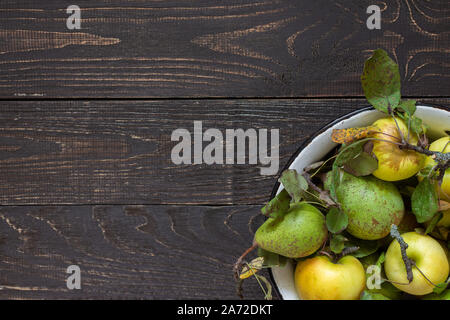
(320, 145)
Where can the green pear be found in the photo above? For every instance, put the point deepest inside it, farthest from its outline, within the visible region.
(372, 205)
(299, 233)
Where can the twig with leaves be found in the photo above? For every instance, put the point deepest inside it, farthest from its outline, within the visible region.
(323, 195)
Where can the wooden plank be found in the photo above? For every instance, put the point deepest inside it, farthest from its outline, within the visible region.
(241, 48)
(125, 252)
(119, 152)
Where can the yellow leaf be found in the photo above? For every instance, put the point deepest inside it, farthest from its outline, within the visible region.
(252, 268)
(349, 135)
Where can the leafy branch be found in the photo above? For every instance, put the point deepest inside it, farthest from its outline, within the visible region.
(381, 85)
(323, 195)
(442, 158)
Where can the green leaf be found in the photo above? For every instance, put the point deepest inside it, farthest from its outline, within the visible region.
(416, 125)
(337, 243)
(350, 152)
(294, 184)
(278, 206)
(346, 154)
(389, 291)
(381, 81)
(426, 171)
(441, 287)
(369, 260)
(424, 201)
(433, 222)
(336, 220)
(367, 295)
(366, 247)
(271, 259)
(334, 184)
(444, 295)
(433, 296)
(408, 106)
(381, 259)
(363, 165)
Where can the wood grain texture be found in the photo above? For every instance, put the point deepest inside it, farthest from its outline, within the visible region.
(87, 179)
(125, 252)
(250, 48)
(119, 152)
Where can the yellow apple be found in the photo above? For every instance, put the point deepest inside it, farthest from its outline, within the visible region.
(394, 164)
(442, 145)
(428, 255)
(319, 278)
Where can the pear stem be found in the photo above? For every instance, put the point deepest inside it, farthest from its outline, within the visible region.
(240, 260)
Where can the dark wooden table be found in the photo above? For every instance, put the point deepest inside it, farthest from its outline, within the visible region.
(86, 118)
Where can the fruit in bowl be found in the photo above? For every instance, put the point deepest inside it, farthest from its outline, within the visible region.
(429, 257)
(394, 163)
(442, 145)
(341, 280)
(360, 213)
(300, 233)
(372, 205)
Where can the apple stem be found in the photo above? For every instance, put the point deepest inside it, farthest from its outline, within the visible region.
(442, 159)
(327, 254)
(347, 251)
(402, 137)
(403, 246)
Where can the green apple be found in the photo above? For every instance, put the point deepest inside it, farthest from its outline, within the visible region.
(429, 257)
(319, 278)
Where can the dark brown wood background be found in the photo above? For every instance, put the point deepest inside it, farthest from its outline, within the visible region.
(86, 117)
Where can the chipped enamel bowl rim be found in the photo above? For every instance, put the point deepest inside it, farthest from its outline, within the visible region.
(320, 144)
